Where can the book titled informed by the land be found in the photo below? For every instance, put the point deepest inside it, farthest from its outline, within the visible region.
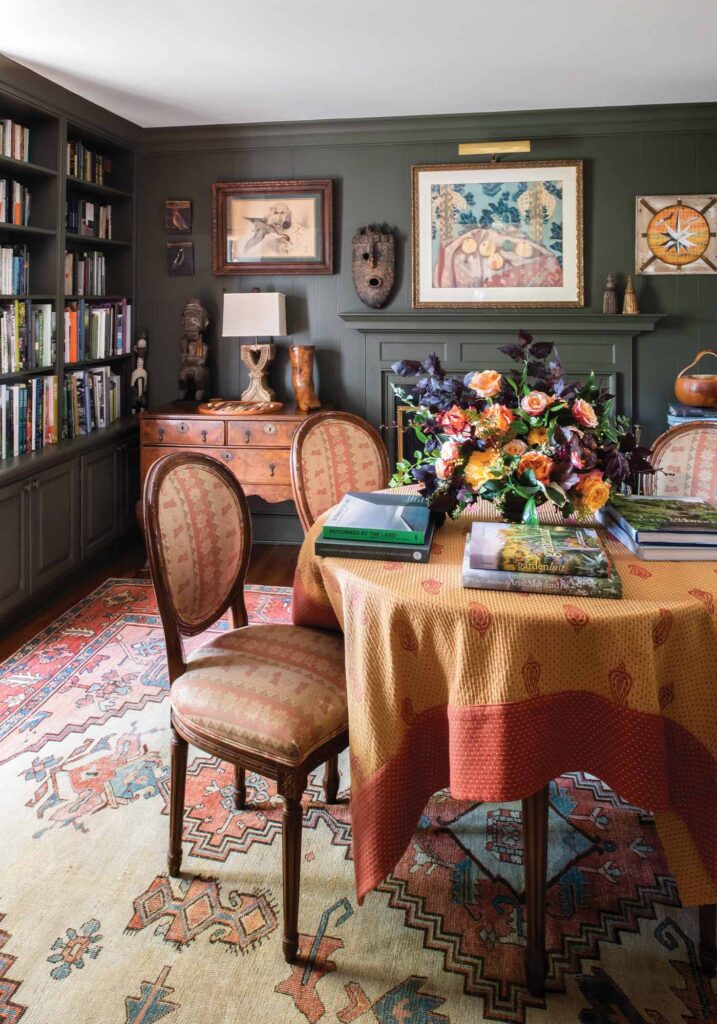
(541, 582)
(677, 529)
(375, 550)
(554, 550)
(386, 518)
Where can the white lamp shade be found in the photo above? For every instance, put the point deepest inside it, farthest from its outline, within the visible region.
(254, 315)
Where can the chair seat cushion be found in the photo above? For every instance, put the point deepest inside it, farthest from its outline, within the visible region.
(277, 691)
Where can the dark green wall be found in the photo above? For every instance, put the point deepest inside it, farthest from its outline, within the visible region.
(627, 151)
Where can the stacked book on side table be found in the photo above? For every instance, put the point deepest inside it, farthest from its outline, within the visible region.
(385, 527)
(680, 529)
(677, 414)
(563, 560)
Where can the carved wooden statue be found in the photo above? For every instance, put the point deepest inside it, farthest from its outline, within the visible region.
(193, 375)
(609, 296)
(629, 303)
(302, 377)
(138, 380)
(373, 265)
(256, 358)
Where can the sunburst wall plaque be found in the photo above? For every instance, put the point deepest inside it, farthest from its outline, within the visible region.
(676, 235)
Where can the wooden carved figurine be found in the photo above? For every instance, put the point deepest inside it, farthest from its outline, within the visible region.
(193, 375)
(373, 265)
(629, 304)
(256, 358)
(609, 296)
(138, 380)
(302, 377)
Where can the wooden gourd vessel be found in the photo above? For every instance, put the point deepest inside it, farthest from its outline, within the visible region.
(697, 388)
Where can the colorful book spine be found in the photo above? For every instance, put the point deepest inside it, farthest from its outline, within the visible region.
(14, 140)
(326, 548)
(540, 583)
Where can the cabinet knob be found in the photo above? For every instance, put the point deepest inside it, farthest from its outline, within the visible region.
(27, 486)
(272, 468)
(160, 433)
(35, 484)
(204, 437)
(183, 428)
(227, 456)
(270, 428)
(247, 436)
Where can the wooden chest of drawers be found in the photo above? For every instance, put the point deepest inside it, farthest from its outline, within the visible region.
(255, 448)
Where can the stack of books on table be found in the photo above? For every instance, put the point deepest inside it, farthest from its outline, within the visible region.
(384, 527)
(678, 414)
(563, 560)
(674, 529)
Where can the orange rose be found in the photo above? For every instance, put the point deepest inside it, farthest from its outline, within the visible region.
(539, 463)
(593, 491)
(454, 420)
(538, 435)
(498, 417)
(584, 413)
(486, 384)
(483, 466)
(536, 402)
(515, 447)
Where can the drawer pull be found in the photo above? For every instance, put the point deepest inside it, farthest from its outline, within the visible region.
(204, 436)
(270, 428)
(35, 484)
(227, 456)
(182, 428)
(26, 487)
(160, 433)
(272, 468)
(247, 436)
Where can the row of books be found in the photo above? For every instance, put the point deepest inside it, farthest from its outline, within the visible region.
(96, 330)
(86, 164)
(91, 400)
(27, 416)
(387, 527)
(27, 335)
(14, 140)
(14, 202)
(91, 219)
(671, 529)
(85, 273)
(14, 270)
(678, 413)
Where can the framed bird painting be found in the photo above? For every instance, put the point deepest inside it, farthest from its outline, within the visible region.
(272, 227)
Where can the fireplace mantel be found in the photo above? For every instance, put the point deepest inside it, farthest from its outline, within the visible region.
(470, 340)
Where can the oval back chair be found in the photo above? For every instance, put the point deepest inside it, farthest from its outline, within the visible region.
(333, 453)
(270, 698)
(687, 458)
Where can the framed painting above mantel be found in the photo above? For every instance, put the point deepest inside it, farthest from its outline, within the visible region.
(499, 235)
(272, 227)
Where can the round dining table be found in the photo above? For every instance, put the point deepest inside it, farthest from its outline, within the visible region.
(493, 694)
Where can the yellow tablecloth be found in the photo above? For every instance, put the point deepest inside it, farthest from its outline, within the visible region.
(496, 693)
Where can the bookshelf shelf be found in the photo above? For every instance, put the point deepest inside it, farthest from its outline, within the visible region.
(89, 241)
(101, 191)
(102, 361)
(98, 298)
(34, 297)
(27, 231)
(23, 168)
(24, 374)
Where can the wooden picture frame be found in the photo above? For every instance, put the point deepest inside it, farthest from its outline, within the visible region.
(288, 230)
(498, 235)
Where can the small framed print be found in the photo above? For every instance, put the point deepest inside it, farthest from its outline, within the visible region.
(272, 227)
(503, 234)
(676, 234)
(180, 259)
(178, 216)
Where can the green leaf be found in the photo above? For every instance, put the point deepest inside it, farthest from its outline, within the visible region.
(530, 513)
(556, 494)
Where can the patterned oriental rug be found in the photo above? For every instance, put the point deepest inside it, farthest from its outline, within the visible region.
(92, 931)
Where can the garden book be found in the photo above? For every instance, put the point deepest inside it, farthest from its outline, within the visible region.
(541, 582)
(662, 520)
(554, 550)
(375, 550)
(388, 518)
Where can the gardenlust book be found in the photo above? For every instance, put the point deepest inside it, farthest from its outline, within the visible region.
(553, 550)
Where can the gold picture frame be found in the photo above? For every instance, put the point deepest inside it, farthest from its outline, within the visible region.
(516, 241)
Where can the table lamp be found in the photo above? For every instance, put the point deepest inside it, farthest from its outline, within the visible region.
(255, 315)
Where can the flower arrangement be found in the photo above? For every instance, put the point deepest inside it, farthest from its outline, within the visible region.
(518, 439)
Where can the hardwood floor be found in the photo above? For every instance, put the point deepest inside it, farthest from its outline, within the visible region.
(271, 565)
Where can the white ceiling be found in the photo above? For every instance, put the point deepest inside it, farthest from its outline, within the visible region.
(181, 62)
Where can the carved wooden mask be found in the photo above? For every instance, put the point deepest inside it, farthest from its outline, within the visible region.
(373, 266)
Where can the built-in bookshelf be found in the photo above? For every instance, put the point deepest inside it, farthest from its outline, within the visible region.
(74, 198)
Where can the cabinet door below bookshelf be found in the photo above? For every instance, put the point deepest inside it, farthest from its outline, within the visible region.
(55, 523)
(128, 467)
(99, 500)
(15, 547)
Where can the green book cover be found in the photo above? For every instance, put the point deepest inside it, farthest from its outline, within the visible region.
(656, 518)
(394, 518)
(552, 550)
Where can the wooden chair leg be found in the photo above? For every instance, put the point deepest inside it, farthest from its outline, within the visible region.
(176, 804)
(708, 939)
(535, 846)
(239, 787)
(291, 869)
(331, 779)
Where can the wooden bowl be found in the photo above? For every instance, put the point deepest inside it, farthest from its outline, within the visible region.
(697, 388)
